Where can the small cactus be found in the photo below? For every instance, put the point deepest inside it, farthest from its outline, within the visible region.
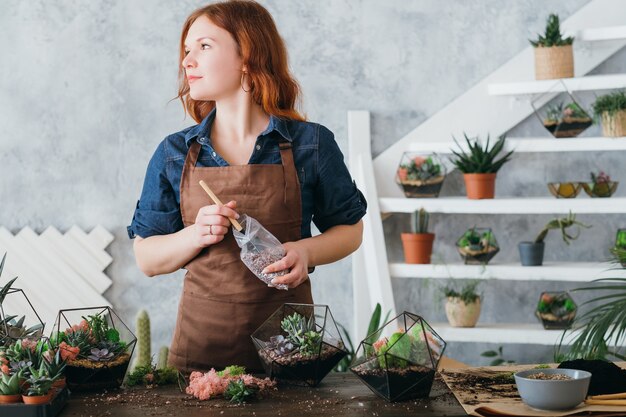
(419, 221)
(143, 339)
(162, 360)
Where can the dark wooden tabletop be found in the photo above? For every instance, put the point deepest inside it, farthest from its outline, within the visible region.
(338, 395)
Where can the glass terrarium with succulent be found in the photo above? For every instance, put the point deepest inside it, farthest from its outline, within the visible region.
(601, 185)
(299, 344)
(477, 246)
(562, 116)
(556, 310)
(96, 346)
(398, 361)
(420, 176)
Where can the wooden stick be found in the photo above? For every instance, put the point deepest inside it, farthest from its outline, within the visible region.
(606, 402)
(217, 201)
(619, 396)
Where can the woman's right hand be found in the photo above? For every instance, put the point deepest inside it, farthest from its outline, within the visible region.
(212, 223)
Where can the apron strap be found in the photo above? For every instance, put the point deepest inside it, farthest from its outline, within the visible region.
(289, 171)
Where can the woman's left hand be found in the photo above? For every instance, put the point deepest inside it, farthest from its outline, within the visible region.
(296, 260)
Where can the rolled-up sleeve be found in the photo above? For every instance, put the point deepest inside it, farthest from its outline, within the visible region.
(157, 212)
(337, 198)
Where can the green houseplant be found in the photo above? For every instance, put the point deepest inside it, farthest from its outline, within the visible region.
(600, 185)
(477, 246)
(611, 110)
(479, 166)
(619, 250)
(462, 307)
(554, 57)
(418, 245)
(9, 388)
(556, 310)
(531, 253)
(566, 120)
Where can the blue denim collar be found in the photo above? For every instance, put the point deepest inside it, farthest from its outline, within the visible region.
(203, 129)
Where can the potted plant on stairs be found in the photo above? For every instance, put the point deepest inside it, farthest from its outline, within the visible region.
(611, 110)
(531, 253)
(479, 166)
(462, 308)
(418, 246)
(554, 57)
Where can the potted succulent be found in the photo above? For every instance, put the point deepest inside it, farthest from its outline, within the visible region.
(531, 253)
(479, 166)
(619, 250)
(600, 185)
(462, 308)
(10, 388)
(420, 176)
(566, 121)
(554, 57)
(556, 311)
(400, 363)
(564, 189)
(418, 245)
(611, 110)
(299, 344)
(39, 387)
(477, 246)
(96, 350)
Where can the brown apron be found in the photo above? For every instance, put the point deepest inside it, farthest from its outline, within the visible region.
(223, 302)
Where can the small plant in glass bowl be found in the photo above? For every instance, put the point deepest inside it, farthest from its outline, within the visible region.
(565, 189)
(96, 346)
(566, 121)
(600, 185)
(477, 246)
(299, 344)
(420, 176)
(556, 310)
(398, 361)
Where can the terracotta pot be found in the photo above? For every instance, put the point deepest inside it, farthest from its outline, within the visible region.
(418, 247)
(460, 314)
(59, 383)
(480, 186)
(10, 399)
(38, 399)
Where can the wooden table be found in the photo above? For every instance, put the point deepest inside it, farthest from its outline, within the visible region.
(338, 395)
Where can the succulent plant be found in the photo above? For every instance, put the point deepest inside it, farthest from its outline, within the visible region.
(302, 333)
(100, 355)
(600, 178)
(552, 35)
(480, 160)
(162, 359)
(9, 384)
(280, 345)
(419, 168)
(467, 294)
(419, 221)
(311, 344)
(55, 365)
(562, 224)
(238, 392)
(143, 339)
(80, 338)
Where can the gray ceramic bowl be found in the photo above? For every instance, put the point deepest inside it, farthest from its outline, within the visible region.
(553, 394)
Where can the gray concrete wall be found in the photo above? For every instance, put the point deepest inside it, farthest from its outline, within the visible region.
(84, 100)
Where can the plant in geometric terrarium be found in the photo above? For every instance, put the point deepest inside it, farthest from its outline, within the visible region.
(477, 246)
(96, 346)
(600, 185)
(563, 117)
(398, 361)
(420, 176)
(556, 310)
(299, 344)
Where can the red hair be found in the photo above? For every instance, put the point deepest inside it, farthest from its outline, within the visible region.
(263, 53)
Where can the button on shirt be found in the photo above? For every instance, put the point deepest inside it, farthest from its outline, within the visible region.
(329, 195)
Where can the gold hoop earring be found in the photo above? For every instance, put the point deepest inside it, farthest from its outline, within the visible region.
(245, 91)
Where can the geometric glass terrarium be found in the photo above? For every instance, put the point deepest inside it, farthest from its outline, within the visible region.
(299, 344)
(14, 327)
(556, 310)
(96, 345)
(420, 176)
(398, 361)
(563, 116)
(477, 246)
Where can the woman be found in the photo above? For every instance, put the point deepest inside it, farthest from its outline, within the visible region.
(258, 153)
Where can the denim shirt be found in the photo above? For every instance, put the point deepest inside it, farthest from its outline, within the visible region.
(329, 195)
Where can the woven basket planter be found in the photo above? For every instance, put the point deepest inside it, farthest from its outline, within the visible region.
(554, 62)
(614, 125)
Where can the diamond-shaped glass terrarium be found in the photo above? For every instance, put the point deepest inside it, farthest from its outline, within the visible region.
(556, 310)
(419, 175)
(96, 345)
(477, 246)
(398, 361)
(299, 344)
(562, 116)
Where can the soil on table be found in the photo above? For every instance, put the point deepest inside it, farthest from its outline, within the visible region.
(489, 385)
